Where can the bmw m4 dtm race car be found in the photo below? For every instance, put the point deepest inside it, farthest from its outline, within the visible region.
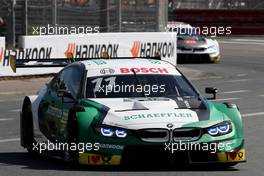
(117, 111)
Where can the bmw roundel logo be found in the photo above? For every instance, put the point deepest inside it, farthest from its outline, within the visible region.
(169, 125)
(107, 71)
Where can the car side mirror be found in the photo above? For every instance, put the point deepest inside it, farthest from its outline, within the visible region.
(211, 90)
(64, 93)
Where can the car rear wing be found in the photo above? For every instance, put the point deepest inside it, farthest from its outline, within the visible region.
(59, 62)
(34, 63)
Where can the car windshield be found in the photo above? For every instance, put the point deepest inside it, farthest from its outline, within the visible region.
(140, 85)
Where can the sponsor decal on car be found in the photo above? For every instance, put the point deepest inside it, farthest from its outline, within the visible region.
(111, 146)
(94, 159)
(106, 71)
(112, 70)
(238, 155)
(159, 115)
(144, 70)
(154, 61)
(99, 62)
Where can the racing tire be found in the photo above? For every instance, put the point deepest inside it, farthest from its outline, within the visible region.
(27, 129)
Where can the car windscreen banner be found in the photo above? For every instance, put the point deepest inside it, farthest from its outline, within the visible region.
(136, 44)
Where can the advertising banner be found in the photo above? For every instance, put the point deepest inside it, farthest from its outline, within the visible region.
(138, 44)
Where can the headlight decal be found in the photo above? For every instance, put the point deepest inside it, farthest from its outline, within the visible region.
(220, 129)
(107, 132)
(121, 133)
(213, 131)
(224, 128)
(112, 132)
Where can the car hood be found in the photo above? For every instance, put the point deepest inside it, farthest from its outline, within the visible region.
(152, 112)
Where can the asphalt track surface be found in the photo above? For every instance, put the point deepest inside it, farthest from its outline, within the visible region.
(239, 78)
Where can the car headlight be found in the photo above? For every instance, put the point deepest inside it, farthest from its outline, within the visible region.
(220, 129)
(107, 132)
(111, 132)
(121, 133)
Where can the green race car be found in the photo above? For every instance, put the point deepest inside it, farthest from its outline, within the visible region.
(119, 111)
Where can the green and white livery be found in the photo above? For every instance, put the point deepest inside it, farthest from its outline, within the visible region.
(119, 111)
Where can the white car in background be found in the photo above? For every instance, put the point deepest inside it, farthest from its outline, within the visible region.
(193, 47)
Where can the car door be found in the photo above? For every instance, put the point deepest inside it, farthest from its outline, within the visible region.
(50, 108)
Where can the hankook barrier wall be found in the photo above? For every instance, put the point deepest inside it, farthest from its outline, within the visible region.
(2, 46)
(3, 69)
(147, 44)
